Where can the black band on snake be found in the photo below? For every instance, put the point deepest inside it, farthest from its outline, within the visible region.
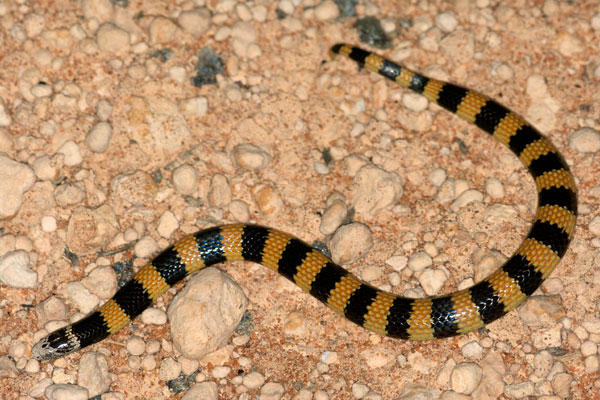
(367, 306)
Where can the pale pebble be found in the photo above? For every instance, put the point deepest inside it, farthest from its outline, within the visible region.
(15, 270)
(154, 316)
(112, 39)
(197, 106)
(70, 150)
(99, 137)
(195, 22)
(253, 380)
(585, 140)
(185, 179)
(169, 369)
(326, 10)
(167, 224)
(145, 247)
(465, 377)
(351, 242)
(66, 392)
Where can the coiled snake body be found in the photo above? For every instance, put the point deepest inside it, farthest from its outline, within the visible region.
(374, 309)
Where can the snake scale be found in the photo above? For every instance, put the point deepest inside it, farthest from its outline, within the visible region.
(379, 311)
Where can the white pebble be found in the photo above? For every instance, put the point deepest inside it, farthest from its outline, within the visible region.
(98, 137)
(351, 242)
(494, 188)
(419, 261)
(250, 157)
(70, 150)
(327, 10)
(585, 140)
(398, 263)
(220, 371)
(466, 197)
(197, 106)
(145, 247)
(446, 22)
(169, 369)
(103, 110)
(48, 223)
(437, 176)
(195, 22)
(154, 316)
(253, 380)
(15, 270)
(177, 73)
(594, 225)
(112, 39)
(185, 179)
(414, 102)
(167, 224)
(472, 350)
(465, 377)
(432, 280)
(5, 119)
(271, 391)
(135, 345)
(66, 391)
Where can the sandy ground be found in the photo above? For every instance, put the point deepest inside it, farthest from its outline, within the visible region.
(66, 66)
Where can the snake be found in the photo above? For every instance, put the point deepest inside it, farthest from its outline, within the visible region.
(379, 311)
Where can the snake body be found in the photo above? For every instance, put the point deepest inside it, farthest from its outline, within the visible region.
(379, 311)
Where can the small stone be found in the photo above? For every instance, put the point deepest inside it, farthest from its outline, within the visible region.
(219, 193)
(185, 179)
(472, 350)
(465, 377)
(519, 390)
(585, 140)
(5, 119)
(432, 280)
(15, 270)
(327, 10)
(494, 188)
(197, 106)
(437, 177)
(167, 224)
(295, 324)
(98, 137)
(466, 197)
(250, 157)
(162, 31)
(267, 199)
(80, 296)
(220, 372)
(135, 345)
(154, 316)
(222, 303)
(145, 247)
(253, 380)
(169, 369)
(271, 391)
(195, 22)
(93, 373)
(70, 150)
(351, 242)
(66, 392)
(446, 22)
(376, 189)
(112, 39)
(202, 391)
(594, 225)
(16, 178)
(335, 214)
(419, 261)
